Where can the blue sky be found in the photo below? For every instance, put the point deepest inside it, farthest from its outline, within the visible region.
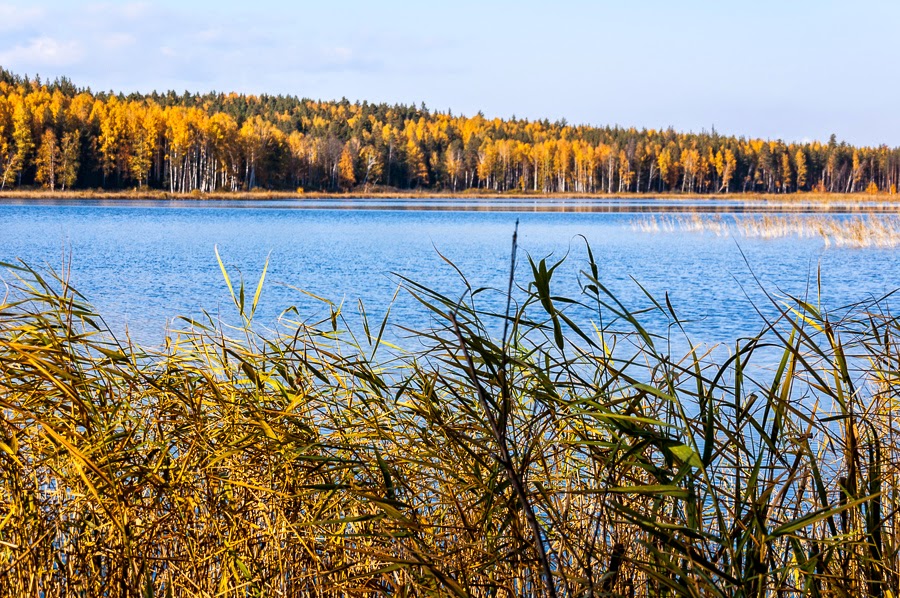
(795, 70)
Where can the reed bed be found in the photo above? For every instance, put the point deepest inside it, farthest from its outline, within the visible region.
(858, 231)
(554, 459)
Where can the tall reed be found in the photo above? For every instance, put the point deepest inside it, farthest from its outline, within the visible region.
(570, 456)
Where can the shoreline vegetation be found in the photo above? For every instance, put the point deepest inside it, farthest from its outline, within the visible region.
(375, 192)
(551, 460)
(56, 135)
(879, 231)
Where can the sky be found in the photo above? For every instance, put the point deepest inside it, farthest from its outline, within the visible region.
(795, 70)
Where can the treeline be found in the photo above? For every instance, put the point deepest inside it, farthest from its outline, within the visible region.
(58, 136)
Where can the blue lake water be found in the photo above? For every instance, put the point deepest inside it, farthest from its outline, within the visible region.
(142, 263)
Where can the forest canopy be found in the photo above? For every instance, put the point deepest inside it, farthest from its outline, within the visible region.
(58, 136)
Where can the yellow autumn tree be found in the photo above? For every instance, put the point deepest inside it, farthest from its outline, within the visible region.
(786, 173)
(415, 159)
(665, 165)
(69, 163)
(346, 175)
(728, 168)
(255, 135)
(22, 139)
(7, 151)
(223, 134)
(453, 165)
(142, 135)
(111, 116)
(800, 165)
(47, 161)
(626, 174)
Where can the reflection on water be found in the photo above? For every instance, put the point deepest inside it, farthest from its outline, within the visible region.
(143, 262)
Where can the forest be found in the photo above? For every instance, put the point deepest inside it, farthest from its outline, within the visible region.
(57, 136)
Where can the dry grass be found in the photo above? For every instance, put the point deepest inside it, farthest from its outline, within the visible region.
(554, 460)
(880, 231)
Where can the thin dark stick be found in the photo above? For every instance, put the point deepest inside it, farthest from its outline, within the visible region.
(504, 363)
(512, 274)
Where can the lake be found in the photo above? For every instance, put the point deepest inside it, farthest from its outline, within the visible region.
(141, 263)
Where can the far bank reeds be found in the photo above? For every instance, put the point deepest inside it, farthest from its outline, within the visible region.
(858, 231)
(557, 460)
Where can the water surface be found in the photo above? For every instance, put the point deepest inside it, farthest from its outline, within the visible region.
(142, 263)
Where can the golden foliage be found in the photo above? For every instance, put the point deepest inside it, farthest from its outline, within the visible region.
(230, 142)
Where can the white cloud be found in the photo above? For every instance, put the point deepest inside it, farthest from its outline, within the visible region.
(13, 18)
(42, 52)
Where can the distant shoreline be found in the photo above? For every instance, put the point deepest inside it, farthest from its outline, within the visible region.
(389, 194)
